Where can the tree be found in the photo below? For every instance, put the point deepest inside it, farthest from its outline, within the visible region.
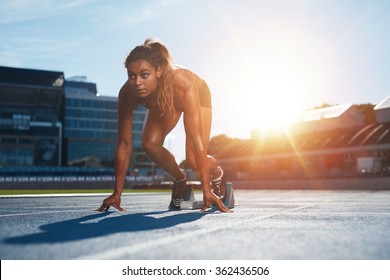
(368, 111)
(323, 105)
(218, 143)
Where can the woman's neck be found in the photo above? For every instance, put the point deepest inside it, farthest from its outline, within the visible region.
(150, 101)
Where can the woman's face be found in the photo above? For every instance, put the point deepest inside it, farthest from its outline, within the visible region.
(143, 77)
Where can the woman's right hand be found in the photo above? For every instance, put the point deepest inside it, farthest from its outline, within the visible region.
(113, 200)
(209, 199)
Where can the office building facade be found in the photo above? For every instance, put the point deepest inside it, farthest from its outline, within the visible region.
(31, 116)
(47, 120)
(90, 125)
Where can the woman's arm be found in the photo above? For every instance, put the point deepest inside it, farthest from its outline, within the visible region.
(193, 129)
(124, 148)
(189, 103)
(125, 139)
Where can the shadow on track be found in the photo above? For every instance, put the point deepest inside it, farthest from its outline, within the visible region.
(102, 224)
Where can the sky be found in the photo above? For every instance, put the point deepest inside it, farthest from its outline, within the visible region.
(264, 60)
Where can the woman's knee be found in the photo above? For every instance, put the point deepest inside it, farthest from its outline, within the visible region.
(150, 146)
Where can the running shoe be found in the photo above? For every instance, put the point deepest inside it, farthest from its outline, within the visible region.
(218, 185)
(178, 193)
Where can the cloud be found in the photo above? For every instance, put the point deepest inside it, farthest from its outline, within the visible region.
(16, 51)
(12, 11)
(145, 14)
(29, 32)
(127, 15)
(131, 13)
(10, 57)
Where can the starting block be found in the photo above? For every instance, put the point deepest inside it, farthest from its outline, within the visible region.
(192, 204)
(189, 193)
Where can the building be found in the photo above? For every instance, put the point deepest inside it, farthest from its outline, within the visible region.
(31, 117)
(382, 110)
(47, 120)
(90, 125)
(329, 142)
(329, 118)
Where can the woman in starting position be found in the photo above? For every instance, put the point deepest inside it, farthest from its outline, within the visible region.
(167, 91)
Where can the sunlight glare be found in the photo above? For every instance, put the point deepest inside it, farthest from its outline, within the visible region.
(278, 97)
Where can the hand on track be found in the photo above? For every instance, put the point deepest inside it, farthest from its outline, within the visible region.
(114, 201)
(211, 198)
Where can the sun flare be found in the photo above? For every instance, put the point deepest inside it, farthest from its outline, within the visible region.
(277, 98)
(271, 84)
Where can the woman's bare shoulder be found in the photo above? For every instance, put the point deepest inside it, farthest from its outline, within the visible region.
(185, 78)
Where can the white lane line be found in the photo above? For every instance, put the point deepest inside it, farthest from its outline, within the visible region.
(39, 213)
(85, 208)
(73, 194)
(175, 239)
(90, 207)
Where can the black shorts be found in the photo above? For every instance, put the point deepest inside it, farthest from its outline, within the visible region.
(204, 96)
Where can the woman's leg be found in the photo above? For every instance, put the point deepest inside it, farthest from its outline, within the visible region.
(156, 128)
(206, 114)
(214, 170)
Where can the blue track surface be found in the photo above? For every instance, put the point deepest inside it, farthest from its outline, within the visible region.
(271, 225)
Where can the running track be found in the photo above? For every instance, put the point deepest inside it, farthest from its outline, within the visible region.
(265, 225)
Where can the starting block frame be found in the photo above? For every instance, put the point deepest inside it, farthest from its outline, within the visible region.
(191, 204)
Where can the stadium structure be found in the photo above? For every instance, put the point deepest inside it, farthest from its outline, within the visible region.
(48, 122)
(54, 126)
(326, 143)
